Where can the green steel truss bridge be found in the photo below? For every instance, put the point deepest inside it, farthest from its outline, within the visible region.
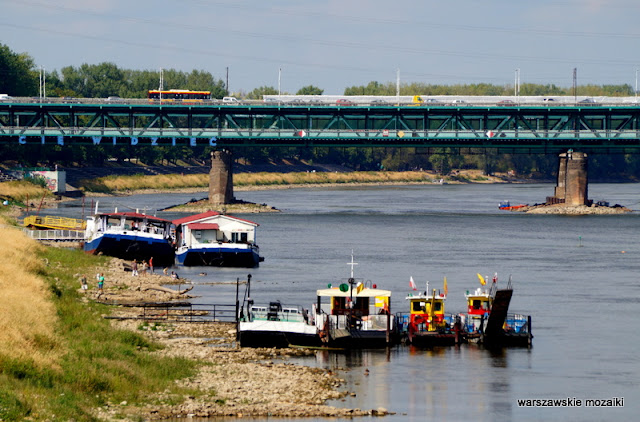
(509, 128)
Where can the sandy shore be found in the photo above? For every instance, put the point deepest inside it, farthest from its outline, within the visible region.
(233, 382)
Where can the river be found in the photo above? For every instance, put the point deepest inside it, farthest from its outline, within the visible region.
(576, 275)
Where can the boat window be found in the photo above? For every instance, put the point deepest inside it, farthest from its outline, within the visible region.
(417, 306)
(476, 304)
(438, 306)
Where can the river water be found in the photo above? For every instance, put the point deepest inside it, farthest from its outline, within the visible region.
(578, 276)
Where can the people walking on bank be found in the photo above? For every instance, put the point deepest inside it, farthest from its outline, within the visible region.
(151, 265)
(83, 282)
(134, 268)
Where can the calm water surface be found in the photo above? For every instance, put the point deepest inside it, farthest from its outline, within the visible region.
(578, 276)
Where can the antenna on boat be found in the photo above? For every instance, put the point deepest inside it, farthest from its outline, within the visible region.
(353, 264)
(97, 202)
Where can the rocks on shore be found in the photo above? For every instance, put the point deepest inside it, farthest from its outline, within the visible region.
(239, 382)
(573, 209)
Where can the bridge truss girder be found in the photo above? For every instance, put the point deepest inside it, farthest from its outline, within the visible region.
(532, 128)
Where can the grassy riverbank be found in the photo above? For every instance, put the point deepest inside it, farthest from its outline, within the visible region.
(19, 192)
(61, 359)
(119, 184)
(58, 356)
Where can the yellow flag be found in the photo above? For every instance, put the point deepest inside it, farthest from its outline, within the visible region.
(446, 288)
(359, 287)
(482, 280)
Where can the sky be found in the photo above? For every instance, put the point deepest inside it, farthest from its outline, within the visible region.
(335, 44)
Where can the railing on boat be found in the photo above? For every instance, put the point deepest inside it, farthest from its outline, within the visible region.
(365, 323)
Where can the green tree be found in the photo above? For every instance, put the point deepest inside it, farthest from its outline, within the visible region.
(257, 93)
(18, 74)
(310, 90)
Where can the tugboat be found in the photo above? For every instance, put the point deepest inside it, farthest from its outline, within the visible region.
(428, 326)
(488, 322)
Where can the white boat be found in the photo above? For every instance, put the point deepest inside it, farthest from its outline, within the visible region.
(349, 316)
(214, 239)
(277, 325)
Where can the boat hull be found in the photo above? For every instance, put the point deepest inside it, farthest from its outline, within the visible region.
(218, 257)
(278, 334)
(355, 339)
(434, 339)
(131, 247)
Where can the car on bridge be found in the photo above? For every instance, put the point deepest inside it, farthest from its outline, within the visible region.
(344, 102)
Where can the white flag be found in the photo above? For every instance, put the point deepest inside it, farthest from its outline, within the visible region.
(412, 283)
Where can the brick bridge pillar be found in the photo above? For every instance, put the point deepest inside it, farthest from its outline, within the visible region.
(572, 186)
(221, 178)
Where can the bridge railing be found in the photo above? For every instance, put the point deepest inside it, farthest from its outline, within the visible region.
(288, 133)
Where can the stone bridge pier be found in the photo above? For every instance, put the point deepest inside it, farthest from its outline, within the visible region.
(221, 178)
(572, 184)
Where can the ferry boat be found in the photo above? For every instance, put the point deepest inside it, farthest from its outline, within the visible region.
(428, 326)
(130, 236)
(352, 315)
(277, 325)
(355, 314)
(214, 239)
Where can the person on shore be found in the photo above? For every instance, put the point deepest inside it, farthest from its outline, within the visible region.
(83, 282)
(144, 267)
(166, 271)
(134, 268)
(100, 282)
(151, 265)
(174, 275)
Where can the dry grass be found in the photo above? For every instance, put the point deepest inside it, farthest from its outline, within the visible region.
(304, 178)
(177, 181)
(137, 182)
(20, 191)
(27, 315)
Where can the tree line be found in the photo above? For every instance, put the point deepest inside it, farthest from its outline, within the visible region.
(19, 76)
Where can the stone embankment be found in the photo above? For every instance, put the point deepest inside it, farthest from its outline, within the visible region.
(232, 381)
(573, 209)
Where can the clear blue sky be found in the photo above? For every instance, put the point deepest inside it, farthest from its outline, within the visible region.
(335, 44)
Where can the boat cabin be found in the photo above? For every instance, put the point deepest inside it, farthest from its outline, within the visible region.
(478, 308)
(213, 227)
(132, 223)
(426, 311)
(360, 301)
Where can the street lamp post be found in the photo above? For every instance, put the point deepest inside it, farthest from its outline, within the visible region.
(636, 92)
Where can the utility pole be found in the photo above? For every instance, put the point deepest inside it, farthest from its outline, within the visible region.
(161, 86)
(279, 78)
(636, 85)
(516, 86)
(398, 85)
(575, 84)
(227, 84)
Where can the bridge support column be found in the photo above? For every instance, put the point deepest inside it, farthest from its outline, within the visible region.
(221, 178)
(572, 186)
